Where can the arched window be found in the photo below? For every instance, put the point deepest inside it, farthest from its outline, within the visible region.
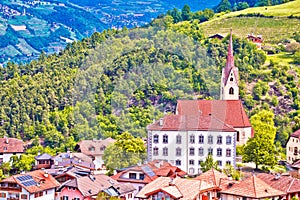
(231, 79)
(231, 91)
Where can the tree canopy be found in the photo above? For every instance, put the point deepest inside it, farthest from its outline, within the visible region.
(126, 151)
(209, 163)
(261, 149)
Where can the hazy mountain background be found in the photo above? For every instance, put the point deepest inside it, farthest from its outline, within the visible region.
(28, 27)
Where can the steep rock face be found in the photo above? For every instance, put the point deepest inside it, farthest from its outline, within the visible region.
(285, 103)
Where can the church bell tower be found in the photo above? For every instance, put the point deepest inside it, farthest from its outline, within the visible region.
(230, 76)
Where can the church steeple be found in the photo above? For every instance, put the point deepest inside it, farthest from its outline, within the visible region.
(229, 80)
(230, 58)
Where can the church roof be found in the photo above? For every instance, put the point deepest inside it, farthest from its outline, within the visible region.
(190, 122)
(231, 112)
(230, 63)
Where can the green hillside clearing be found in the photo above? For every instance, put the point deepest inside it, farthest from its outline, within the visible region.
(274, 28)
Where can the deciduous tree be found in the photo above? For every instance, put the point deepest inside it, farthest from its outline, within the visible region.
(209, 163)
(125, 152)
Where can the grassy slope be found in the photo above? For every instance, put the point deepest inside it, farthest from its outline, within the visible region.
(283, 10)
(273, 30)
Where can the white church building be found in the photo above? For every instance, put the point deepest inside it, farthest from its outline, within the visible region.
(202, 127)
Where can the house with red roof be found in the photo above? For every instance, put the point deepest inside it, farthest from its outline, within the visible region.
(287, 184)
(43, 161)
(141, 175)
(94, 149)
(177, 188)
(251, 188)
(293, 147)
(10, 147)
(258, 40)
(203, 127)
(35, 185)
(88, 187)
(212, 176)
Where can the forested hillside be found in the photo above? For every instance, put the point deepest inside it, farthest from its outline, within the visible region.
(79, 95)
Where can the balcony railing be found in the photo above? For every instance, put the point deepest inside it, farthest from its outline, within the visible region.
(6, 188)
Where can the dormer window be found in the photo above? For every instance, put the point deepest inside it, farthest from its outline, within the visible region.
(102, 148)
(231, 91)
(91, 148)
(4, 148)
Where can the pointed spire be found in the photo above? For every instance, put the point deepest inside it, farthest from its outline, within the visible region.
(230, 58)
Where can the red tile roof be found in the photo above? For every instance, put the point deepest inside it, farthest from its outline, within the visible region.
(190, 122)
(187, 189)
(89, 186)
(45, 182)
(212, 176)
(159, 168)
(120, 176)
(296, 134)
(11, 145)
(231, 112)
(253, 187)
(227, 183)
(99, 146)
(169, 171)
(285, 184)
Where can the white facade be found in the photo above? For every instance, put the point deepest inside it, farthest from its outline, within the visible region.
(187, 149)
(47, 195)
(243, 134)
(234, 197)
(139, 175)
(230, 87)
(24, 194)
(98, 162)
(293, 149)
(5, 157)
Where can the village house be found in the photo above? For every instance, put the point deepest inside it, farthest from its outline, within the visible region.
(43, 161)
(73, 159)
(203, 127)
(293, 147)
(212, 176)
(141, 175)
(296, 166)
(216, 36)
(10, 147)
(68, 173)
(94, 149)
(35, 185)
(255, 39)
(287, 184)
(251, 188)
(177, 188)
(88, 187)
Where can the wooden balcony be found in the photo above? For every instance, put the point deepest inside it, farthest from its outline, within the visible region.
(11, 189)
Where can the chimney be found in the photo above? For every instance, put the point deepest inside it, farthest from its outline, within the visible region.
(161, 122)
(277, 176)
(171, 182)
(46, 174)
(6, 139)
